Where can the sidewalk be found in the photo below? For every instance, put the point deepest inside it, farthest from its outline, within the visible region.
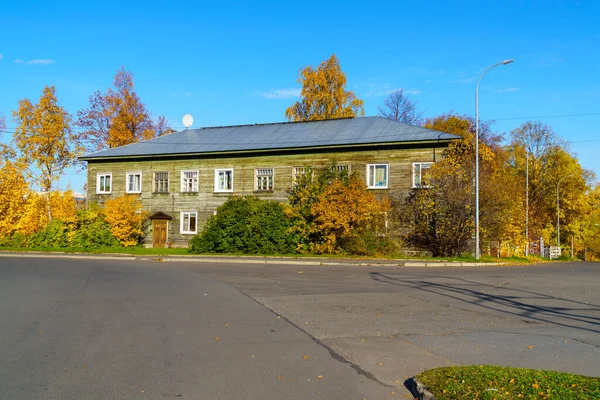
(271, 260)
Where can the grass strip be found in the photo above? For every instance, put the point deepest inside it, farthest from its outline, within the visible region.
(500, 383)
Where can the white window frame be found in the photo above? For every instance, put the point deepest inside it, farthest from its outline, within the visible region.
(420, 173)
(183, 188)
(256, 175)
(298, 172)
(105, 174)
(127, 175)
(185, 230)
(154, 182)
(387, 176)
(219, 171)
(339, 168)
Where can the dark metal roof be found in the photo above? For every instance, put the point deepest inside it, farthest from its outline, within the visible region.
(277, 136)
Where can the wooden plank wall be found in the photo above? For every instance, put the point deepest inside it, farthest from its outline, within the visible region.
(206, 200)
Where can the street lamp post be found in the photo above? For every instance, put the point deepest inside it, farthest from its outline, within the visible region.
(477, 253)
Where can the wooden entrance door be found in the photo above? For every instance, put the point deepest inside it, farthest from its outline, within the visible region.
(159, 233)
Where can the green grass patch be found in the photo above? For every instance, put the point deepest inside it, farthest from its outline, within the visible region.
(500, 383)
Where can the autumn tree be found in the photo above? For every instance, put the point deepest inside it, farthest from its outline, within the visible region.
(334, 212)
(117, 117)
(13, 197)
(441, 217)
(400, 108)
(552, 168)
(126, 218)
(45, 141)
(324, 94)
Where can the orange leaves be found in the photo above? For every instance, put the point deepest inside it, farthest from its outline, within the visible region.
(117, 117)
(44, 138)
(324, 94)
(126, 219)
(345, 210)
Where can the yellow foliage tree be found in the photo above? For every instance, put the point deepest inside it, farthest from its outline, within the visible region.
(344, 212)
(45, 141)
(324, 94)
(34, 217)
(117, 117)
(126, 219)
(13, 198)
(441, 217)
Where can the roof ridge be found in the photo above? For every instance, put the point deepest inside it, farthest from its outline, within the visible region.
(282, 122)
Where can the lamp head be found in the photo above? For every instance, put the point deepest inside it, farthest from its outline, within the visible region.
(507, 61)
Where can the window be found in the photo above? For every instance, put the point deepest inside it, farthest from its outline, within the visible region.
(339, 168)
(377, 176)
(224, 180)
(189, 220)
(264, 178)
(134, 182)
(421, 174)
(189, 181)
(298, 173)
(161, 182)
(103, 183)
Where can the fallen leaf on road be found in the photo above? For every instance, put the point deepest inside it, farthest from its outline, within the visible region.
(300, 272)
(226, 324)
(305, 357)
(217, 339)
(380, 364)
(530, 347)
(320, 376)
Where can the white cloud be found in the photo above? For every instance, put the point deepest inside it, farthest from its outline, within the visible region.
(280, 93)
(0, 56)
(19, 61)
(508, 89)
(40, 62)
(187, 94)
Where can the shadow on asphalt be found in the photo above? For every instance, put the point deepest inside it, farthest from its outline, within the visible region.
(518, 302)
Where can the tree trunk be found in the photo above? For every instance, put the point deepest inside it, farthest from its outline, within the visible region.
(48, 206)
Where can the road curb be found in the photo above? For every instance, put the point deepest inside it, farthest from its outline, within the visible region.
(64, 255)
(248, 260)
(418, 390)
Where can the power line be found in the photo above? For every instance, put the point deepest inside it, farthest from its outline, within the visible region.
(546, 116)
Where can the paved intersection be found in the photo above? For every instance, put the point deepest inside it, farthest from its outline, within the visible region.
(75, 328)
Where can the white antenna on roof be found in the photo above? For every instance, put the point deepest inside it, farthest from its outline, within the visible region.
(187, 120)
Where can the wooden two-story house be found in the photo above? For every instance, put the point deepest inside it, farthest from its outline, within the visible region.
(182, 178)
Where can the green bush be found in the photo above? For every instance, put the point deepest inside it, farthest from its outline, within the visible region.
(55, 234)
(92, 231)
(17, 239)
(88, 231)
(247, 225)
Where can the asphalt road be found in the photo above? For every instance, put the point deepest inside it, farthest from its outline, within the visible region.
(87, 329)
(91, 329)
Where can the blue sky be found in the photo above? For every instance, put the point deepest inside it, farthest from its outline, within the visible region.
(237, 62)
